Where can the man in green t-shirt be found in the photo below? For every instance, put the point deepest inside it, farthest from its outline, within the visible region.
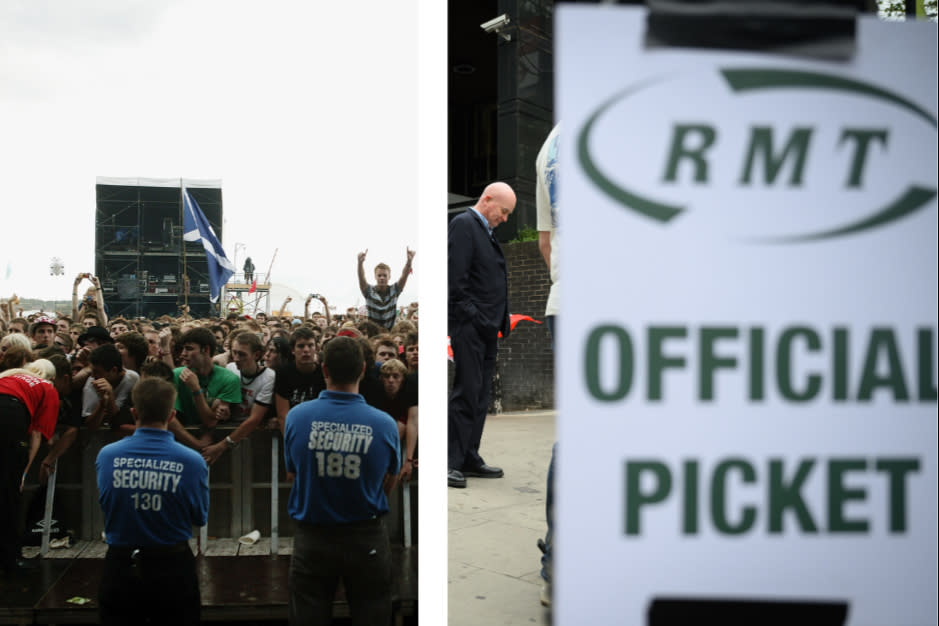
(204, 390)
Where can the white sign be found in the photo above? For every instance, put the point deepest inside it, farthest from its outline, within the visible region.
(749, 328)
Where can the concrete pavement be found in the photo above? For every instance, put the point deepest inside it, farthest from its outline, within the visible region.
(494, 524)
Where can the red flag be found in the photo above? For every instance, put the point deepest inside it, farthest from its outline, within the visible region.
(254, 286)
(516, 318)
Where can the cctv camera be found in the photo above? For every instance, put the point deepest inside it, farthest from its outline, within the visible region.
(495, 24)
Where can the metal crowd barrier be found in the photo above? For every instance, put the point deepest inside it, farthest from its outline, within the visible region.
(239, 462)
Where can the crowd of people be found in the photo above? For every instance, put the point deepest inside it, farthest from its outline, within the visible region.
(60, 373)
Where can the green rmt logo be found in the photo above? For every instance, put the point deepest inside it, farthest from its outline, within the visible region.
(760, 150)
(769, 158)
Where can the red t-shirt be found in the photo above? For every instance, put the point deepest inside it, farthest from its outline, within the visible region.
(40, 398)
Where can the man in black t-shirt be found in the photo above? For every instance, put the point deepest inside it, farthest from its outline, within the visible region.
(300, 380)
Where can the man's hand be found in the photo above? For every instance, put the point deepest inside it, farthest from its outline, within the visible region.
(410, 254)
(96, 282)
(204, 441)
(362, 256)
(46, 469)
(406, 469)
(213, 452)
(103, 388)
(309, 299)
(222, 410)
(82, 355)
(190, 379)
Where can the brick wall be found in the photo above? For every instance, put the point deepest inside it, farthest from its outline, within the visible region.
(525, 369)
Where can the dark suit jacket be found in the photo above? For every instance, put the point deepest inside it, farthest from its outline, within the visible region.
(478, 291)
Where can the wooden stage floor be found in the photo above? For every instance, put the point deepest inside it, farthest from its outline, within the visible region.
(238, 584)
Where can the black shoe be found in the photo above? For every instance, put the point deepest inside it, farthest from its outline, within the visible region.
(483, 471)
(455, 479)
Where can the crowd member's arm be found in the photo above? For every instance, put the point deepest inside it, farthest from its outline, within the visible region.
(81, 376)
(406, 271)
(4, 307)
(214, 451)
(410, 446)
(166, 347)
(183, 436)
(35, 438)
(329, 318)
(221, 409)
(99, 299)
(283, 307)
(60, 447)
(282, 405)
(205, 412)
(105, 407)
(227, 395)
(363, 284)
(306, 308)
(78, 280)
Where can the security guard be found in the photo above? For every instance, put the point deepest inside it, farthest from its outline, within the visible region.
(345, 457)
(153, 491)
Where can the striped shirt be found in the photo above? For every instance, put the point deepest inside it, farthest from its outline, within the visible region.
(382, 309)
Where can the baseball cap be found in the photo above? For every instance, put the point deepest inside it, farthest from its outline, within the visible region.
(39, 321)
(96, 333)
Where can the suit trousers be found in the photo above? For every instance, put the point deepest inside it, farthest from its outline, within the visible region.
(474, 360)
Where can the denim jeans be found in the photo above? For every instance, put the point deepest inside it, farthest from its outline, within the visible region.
(546, 562)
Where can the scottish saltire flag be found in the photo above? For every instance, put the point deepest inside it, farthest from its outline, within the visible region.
(197, 228)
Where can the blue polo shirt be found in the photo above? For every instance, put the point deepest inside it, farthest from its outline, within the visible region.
(340, 449)
(152, 489)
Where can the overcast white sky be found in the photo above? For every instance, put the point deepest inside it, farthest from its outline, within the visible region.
(306, 112)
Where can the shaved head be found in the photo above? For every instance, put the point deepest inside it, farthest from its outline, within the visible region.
(496, 203)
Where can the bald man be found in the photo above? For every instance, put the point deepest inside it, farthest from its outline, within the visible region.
(477, 310)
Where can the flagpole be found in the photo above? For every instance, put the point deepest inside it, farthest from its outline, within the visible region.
(182, 220)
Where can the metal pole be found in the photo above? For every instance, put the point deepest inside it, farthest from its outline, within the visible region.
(406, 505)
(267, 280)
(182, 240)
(275, 485)
(47, 516)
